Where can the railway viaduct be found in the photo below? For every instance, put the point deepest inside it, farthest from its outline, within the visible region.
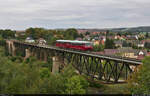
(101, 67)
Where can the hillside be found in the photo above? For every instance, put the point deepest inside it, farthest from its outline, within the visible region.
(131, 29)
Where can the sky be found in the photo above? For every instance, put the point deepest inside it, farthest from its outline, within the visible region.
(50, 14)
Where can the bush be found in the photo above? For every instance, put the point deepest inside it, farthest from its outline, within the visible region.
(2, 42)
(95, 84)
(139, 82)
(98, 47)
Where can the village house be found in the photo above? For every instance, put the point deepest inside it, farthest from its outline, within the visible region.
(132, 53)
(119, 37)
(79, 39)
(102, 38)
(132, 37)
(87, 37)
(144, 41)
(123, 37)
(96, 42)
(95, 33)
(81, 31)
(30, 40)
(41, 41)
(99, 40)
(110, 51)
(124, 52)
(118, 43)
(142, 54)
(111, 37)
(127, 52)
(137, 43)
(140, 44)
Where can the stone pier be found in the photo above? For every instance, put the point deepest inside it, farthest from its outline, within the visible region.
(27, 54)
(58, 62)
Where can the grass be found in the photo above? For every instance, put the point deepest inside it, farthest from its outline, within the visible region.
(109, 89)
(116, 89)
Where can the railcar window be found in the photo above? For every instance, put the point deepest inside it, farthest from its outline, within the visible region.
(77, 44)
(80, 44)
(88, 44)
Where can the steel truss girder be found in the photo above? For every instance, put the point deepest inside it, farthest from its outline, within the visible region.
(100, 68)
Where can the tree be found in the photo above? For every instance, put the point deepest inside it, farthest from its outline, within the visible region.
(111, 34)
(139, 82)
(119, 34)
(2, 41)
(81, 36)
(71, 34)
(107, 33)
(109, 44)
(125, 44)
(36, 32)
(76, 85)
(147, 35)
(7, 33)
(33, 77)
(98, 47)
(147, 45)
(87, 33)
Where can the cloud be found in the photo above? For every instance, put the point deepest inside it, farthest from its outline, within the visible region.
(21, 14)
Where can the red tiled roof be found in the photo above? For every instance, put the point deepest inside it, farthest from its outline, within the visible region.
(110, 51)
(140, 57)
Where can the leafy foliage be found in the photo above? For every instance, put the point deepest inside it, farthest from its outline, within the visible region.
(139, 82)
(32, 76)
(2, 41)
(109, 44)
(125, 44)
(98, 47)
(76, 85)
(52, 35)
(70, 34)
(7, 33)
(147, 45)
(87, 33)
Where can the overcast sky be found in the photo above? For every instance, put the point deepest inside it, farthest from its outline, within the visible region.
(22, 14)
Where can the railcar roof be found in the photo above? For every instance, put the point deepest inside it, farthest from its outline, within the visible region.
(73, 41)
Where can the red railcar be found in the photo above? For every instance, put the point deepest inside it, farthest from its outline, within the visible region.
(74, 44)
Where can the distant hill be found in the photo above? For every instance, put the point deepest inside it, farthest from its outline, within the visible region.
(132, 29)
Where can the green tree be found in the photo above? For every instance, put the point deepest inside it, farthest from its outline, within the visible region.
(98, 47)
(125, 44)
(7, 34)
(81, 36)
(2, 41)
(76, 85)
(71, 34)
(134, 46)
(109, 44)
(147, 45)
(36, 32)
(33, 77)
(87, 33)
(147, 35)
(139, 82)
